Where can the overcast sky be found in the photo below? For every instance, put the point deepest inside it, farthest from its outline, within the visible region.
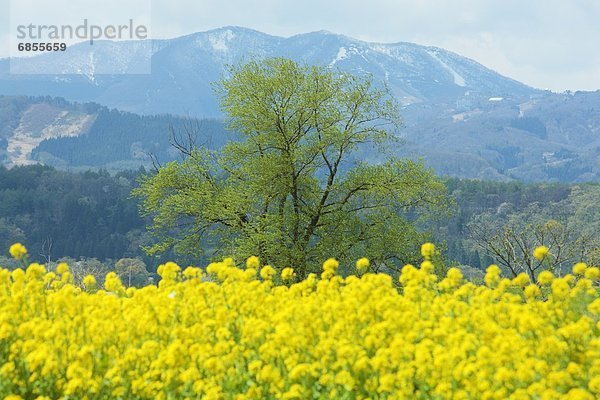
(552, 44)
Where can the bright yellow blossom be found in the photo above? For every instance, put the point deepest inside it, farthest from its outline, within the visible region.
(192, 272)
(560, 287)
(545, 277)
(427, 267)
(592, 273)
(428, 250)
(541, 252)
(331, 265)
(362, 265)
(579, 268)
(521, 280)
(89, 281)
(492, 276)
(267, 272)
(17, 251)
(594, 307)
(253, 262)
(112, 283)
(287, 274)
(235, 336)
(594, 385)
(532, 291)
(61, 268)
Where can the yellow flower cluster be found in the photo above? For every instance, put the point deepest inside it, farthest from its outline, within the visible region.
(224, 333)
(17, 251)
(362, 265)
(541, 252)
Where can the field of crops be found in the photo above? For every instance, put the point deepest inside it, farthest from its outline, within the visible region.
(227, 332)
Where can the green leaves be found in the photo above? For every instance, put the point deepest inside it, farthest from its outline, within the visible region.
(288, 191)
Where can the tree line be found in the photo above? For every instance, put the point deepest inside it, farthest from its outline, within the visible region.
(59, 214)
(91, 215)
(290, 188)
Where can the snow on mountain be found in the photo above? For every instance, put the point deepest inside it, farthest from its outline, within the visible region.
(219, 40)
(458, 80)
(341, 54)
(464, 119)
(183, 69)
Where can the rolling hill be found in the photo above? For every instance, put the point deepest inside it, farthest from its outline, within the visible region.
(462, 118)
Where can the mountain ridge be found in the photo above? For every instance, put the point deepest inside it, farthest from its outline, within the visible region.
(461, 118)
(415, 73)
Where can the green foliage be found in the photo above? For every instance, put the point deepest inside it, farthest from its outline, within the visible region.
(58, 214)
(503, 222)
(80, 268)
(287, 192)
(132, 272)
(118, 136)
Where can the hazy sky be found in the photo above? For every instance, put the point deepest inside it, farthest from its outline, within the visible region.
(552, 44)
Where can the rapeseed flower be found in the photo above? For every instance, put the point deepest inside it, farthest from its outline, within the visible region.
(89, 281)
(541, 252)
(253, 263)
(62, 268)
(579, 268)
(17, 251)
(592, 273)
(267, 272)
(331, 265)
(287, 274)
(545, 277)
(235, 336)
(362, 265)
(428, 250)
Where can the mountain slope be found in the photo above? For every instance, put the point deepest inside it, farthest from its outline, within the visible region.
(549, 138)
(55, 132)
(183, 70)
(461, 118)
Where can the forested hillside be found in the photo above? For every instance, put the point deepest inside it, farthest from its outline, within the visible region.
(52, 131)
(550, 137)
(493, 219)
(59, 214)
(91, 214)
(123, 139)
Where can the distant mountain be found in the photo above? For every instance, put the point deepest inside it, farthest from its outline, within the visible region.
(55, 132)
(550, 137)
(183, 70)
(26, 122)
(461, 118)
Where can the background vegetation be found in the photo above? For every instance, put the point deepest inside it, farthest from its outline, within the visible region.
(41, 204)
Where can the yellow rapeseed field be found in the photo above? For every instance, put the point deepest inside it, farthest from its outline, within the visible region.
(228, 332)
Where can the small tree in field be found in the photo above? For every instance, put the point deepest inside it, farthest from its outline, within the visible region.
(289, 191)
(132, 272)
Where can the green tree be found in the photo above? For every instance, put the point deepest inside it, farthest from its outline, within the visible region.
(511, 239)
(132, 272)
(291, 191)
(83, 267)
(10, 234)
